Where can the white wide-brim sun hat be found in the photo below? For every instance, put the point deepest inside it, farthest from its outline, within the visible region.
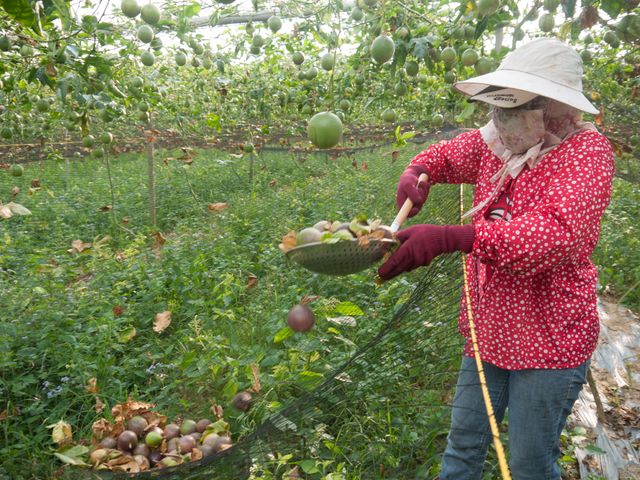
(546, 67)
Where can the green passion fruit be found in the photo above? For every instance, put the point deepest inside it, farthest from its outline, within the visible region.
(325, 130)
(389, 115)
(382, 49)
(274, 23)
(327, 61)
(145, 33)
(150, 14)
(298, 58)
(130, 8)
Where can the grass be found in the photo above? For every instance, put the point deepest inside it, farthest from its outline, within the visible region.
(70, 318)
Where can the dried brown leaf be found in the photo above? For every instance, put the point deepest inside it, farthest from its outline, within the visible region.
(395, 155)
(117, 310)
(162, 321)
(78, 246)
(35, 183)
(124, 463)
(218, 411)
(92, 385)
(61, 433)
(196, 454)
(99, 405)
(252, 281)
(217, 207)
(50, 70)
(288, 241)
(5, 212)
(363, 241)
(256, 387)
(307, 299)
(588, 17)
(104, 428)
(106, 208)
(273, 183)
(15, 191)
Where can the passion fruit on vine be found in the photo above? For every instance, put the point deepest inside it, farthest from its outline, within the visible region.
(382, 49)
(325, 130)
(130, 8)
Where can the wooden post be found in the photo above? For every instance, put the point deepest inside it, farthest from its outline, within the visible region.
(151, 177)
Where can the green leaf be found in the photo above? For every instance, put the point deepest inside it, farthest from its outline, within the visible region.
(594, 450)
(348, 308)
(612, 7)
(71, 460)
(191, 10)
(21, 12)
(127, 335)
(468, 111)
(308, 466)
(72, 455)
(309, 380)
(283, 334)
(569, 7)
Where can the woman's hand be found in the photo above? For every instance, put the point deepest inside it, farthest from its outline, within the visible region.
(422, 243)
(408, 187)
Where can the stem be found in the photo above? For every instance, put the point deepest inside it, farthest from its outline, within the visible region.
(193, 193)
(633, 287)
(596, 396)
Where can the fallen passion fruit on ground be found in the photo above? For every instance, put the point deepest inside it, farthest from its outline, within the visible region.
(147, 445)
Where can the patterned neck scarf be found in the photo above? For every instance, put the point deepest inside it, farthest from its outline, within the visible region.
(559, 122)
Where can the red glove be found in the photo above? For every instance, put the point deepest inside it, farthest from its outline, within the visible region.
(407, 188)
(422, 243)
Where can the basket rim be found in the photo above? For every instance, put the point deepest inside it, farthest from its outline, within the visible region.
(315, 244)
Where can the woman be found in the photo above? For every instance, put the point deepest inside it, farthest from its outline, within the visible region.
(543, 180)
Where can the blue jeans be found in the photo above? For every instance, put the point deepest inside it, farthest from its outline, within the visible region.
(539, 402)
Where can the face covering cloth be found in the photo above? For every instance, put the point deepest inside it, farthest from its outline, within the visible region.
(533, 133)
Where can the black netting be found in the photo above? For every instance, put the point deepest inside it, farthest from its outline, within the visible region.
(408, 371)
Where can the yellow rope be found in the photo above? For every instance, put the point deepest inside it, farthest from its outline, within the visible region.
(502, 459)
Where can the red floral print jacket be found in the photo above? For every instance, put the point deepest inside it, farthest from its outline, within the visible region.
(538, 307)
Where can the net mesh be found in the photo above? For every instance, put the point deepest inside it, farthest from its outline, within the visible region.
(383, 413)
(404, 378)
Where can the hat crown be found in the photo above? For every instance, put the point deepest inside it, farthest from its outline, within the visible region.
(547, 58)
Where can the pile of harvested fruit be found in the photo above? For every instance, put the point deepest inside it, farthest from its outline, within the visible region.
(324, 231)
(139, 439)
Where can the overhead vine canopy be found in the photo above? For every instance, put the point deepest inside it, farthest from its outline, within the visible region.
(71, 66)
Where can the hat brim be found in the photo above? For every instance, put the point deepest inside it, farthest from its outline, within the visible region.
(528, 83)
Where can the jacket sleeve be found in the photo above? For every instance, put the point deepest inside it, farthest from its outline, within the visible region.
(565, 223)
(453, 161)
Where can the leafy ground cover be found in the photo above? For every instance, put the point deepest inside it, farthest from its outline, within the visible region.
(74, 317)
(77, 333)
